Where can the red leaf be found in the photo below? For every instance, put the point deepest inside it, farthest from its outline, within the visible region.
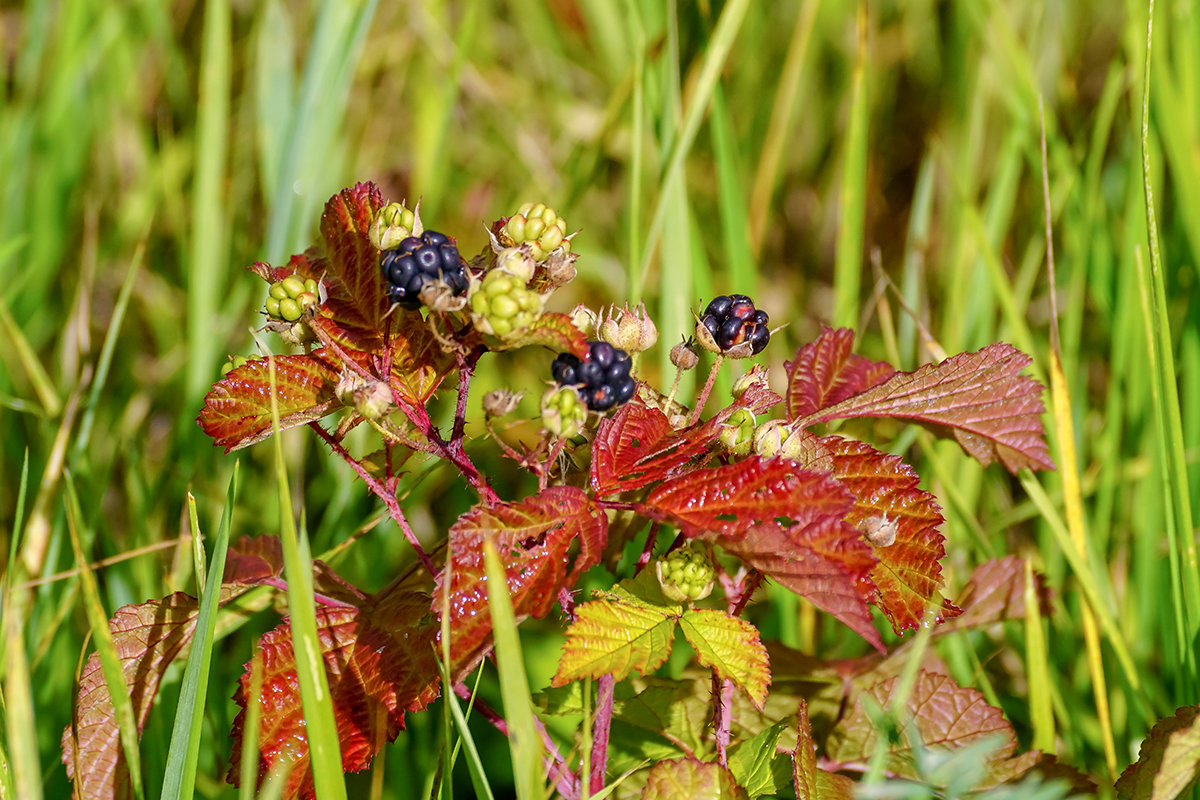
(908, 575)
(1168, 759)
(419, 364)
(550, 329)
(981, 398)
(379, 663)
(237, 410)
(825, 372)
(996, 592)
(783, 521)
(357, 299)
(536, 538)
(637, 446)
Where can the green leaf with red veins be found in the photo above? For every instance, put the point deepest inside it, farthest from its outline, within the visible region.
(981, 399)
(731, 648)
(905, 582)
(825, 372)
(1168, 760)
(616, 636)
(813, 783)
(546, 542)
(549, 329)
(637, 446)
(945, 715)
(691, 778)
(380, 664)
(149, 638)
(237, 410)
(996, 592)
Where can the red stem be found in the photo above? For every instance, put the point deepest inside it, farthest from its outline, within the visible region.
(605, 694)
(322, 599)
(648, 547)
(723, 696)
(389, 499)
(703, 398)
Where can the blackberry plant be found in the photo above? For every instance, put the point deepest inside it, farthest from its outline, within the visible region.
(417, 262)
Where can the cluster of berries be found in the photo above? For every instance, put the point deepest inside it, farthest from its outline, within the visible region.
(289, 298)
(602, 376)
(686, 574)
(733, 319)
(417, 261)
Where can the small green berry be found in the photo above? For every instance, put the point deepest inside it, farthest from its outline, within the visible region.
(538, 226)
(563, 411)
(686, 574)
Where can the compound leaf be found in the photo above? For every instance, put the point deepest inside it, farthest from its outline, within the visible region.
(357, 299)
(237, 410)
(980, 398)
(731, 647)
(825, 372)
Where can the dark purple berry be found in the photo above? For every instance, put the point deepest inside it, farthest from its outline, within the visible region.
(719, 306)
(732, 320)
(416, 262)
(602, 376)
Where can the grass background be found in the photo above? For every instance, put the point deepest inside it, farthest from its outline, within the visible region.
(794, 151)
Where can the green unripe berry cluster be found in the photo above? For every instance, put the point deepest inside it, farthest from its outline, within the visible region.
(563, 411)
(536, 225)
(502, 304)
(686, 574)
(289, 298)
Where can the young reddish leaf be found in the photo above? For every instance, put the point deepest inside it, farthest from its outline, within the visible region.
(945, 715)
(731, 499)
(419, 364)
(1168, 760)
(237, 410)
(379, 662)
(980, 398)
(614, 636)
(149, 637)
(637, 446)
(811, 782)
(731, 647)
(907, 578)
(550, 329)
(691, 778)
(996, 592)
(537, 538)
(825, 372)
(357, 299)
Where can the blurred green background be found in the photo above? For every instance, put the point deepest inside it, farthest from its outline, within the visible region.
(876, 166)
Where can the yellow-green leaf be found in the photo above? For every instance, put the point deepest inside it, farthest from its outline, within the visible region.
(731, 648)
(609, 636)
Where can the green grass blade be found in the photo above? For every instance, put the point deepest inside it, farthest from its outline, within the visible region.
(106, 648)
(524, 743)
(475, 768)
(207, 270)
(847, 271)
(184, 750)
(42, 385)
(1037, 662)
(248, 773)
(22, 772)
(320, 726)
(735, 234)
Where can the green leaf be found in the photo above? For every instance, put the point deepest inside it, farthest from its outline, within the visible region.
(612, 636)
(1168, 761)
(812, 783)
(756, 764)
(691, 778)
(731, 647)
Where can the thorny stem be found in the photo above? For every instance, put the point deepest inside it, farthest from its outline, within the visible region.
(723, 697)
(556, 766)
(745, 589)
(703, 398)
(605, 694)
(648, 548)
(389, 499)
(323, 599)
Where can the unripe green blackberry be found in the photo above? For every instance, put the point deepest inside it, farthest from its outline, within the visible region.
(536, 225)
(289, 298)
(393, 224)
(233, 363)
(501, 304)
(737, 432)
(686, 574)
(563, 411)
(517, 262)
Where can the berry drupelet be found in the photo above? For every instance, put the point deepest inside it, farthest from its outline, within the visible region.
(602, 377)
(733, 319)
(417, 261)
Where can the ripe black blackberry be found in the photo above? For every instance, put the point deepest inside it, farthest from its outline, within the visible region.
(733, 319)
(602, 377)
(416, 261)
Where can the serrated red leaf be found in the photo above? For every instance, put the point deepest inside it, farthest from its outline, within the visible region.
(379, 663)
(785, 522)
(996, 592)
(906, 580)
(237, 410)
(637, 446)
(549, 329)
(357, 298)
(825, 372)
(537, 539)
(980, 398)
(419, 364)
(944, 715)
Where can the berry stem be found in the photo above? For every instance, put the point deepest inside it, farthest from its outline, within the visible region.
(722, 716)
(605, 694)
(708, 384)
(389, 499)
(648, 547)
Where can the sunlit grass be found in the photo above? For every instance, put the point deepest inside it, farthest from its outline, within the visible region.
(150, 151)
